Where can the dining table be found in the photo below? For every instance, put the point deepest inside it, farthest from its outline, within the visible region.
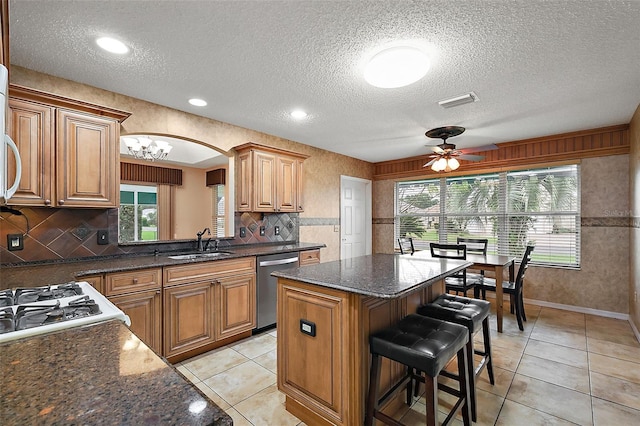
(489, 262)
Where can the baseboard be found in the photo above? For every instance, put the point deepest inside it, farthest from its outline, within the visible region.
(635, 330)
(579, 309)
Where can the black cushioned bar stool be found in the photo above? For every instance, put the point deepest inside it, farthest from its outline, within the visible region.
(473, 314)
(425, 345)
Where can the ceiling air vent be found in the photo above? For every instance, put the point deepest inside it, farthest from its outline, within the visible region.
(459, 100)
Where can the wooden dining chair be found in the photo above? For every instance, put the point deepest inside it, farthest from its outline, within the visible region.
(475, 246)
(513, 288)
(457, 282)
(406, 245)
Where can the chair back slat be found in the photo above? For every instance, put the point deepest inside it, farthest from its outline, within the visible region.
(524, 265)
(475, 245)
(406, 245)
(448, 251)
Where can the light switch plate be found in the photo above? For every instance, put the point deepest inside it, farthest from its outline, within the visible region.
(15, 242)
(262, 231)
(243, 232)
(276, 230)
(103, 237)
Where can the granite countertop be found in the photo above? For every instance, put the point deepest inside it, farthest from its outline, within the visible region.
(384, 276)
(58, 272)
(97, 374)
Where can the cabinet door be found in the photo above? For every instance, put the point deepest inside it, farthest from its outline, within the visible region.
(145, 312)
(287, 184)
(264, 181)
(300, 186)
(236, 304)
(87, 152)
(244, 182)
(188, 317)
(31, 126)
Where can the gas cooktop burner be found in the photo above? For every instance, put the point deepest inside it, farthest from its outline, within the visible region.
(28, 316)
(36, 294)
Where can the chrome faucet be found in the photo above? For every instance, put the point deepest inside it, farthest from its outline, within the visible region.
(199, 235)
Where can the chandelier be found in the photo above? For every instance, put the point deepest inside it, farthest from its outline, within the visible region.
(144, 148)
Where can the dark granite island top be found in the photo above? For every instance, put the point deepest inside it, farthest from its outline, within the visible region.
(100, 375)
(379, 275)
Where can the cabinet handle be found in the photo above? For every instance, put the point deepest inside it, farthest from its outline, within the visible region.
(60, 202)
(214, 282)
(135, 281)
(157, 291)
(47, 202)
(300, 208)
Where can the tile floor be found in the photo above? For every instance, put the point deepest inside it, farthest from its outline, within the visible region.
(564, 368)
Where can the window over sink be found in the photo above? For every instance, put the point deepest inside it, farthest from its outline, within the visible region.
(138, 213)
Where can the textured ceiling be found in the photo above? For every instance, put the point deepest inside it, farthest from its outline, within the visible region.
(538, 67)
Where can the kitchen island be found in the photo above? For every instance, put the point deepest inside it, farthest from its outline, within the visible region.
(326, 313)
(100, 374)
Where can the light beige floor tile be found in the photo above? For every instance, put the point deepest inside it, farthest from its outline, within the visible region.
(273, 332)
(256, 346)
(616, 331)
(238, 419)
(241, 382)
(513, 342)
(563, 319)
(187, 373)
(513, 413)
(625, 370)
(614, 350)
(617, 325)
(504, 358)
(555, 372)
(502, 380)
(267, 408)
(217, 399)
(551, 399)
(214, 362)
(607, 413)
(416, 416)
(559, 337)
(615, 390)
(268, 361)
(558, 353)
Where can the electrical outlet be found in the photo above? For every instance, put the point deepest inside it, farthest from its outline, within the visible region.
(243, 232)
(262, 231)
(103, 237)
(336, 228)
(15, 242)
(276, 230)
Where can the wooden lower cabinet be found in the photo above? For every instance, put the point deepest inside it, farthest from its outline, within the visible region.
(208, 304)
(189, 317)
(145, 312)
(236, 305)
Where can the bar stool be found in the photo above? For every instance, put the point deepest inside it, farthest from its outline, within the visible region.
(426, 345)
(471, 313)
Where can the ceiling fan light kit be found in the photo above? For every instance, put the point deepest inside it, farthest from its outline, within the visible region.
(445, 155)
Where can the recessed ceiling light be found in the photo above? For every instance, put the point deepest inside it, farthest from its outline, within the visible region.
(396, 67)
(112, 45)
(197, 102)
(298, 114)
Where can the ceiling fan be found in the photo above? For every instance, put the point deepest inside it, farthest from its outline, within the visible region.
(445, 156)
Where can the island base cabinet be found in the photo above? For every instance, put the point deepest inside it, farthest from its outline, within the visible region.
(188, 317)
(144, 309)
(323, 350)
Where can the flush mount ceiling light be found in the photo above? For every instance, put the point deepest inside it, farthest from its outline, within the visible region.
(144, 148)
(298, 114)
(197, 102)
(396, 67)
(467, 98)
(112, 45)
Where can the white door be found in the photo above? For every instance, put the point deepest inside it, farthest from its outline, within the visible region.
(355, 217)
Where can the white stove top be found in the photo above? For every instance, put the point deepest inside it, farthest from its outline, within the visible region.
(108, 311)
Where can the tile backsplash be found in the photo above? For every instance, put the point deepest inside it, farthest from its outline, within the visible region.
(55, 234)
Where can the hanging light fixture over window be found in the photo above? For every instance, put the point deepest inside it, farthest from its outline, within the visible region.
(144, 148)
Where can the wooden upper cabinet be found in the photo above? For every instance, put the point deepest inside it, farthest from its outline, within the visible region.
(269, 179)
(69, 150)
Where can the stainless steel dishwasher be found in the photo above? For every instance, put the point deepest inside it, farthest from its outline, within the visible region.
(266, 286)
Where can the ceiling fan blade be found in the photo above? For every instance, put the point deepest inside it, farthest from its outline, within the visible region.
(437, 150)
(479, 149)
(431, 162)
(470, 157)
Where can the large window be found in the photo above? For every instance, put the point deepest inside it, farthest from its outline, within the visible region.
(511, 209)
(138, 215)
(218, 217)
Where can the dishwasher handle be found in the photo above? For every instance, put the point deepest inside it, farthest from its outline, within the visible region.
(278, 262)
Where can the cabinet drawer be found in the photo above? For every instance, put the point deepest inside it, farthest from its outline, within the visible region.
(128, 282)
(175, 275)
(309, 257)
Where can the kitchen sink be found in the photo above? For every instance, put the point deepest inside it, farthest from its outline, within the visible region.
(199, 255)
